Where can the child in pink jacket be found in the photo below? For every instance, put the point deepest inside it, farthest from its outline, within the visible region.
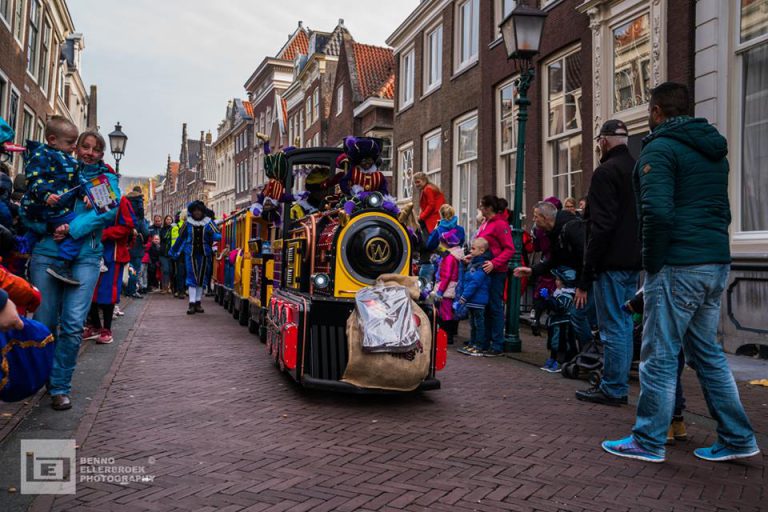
(448, 274)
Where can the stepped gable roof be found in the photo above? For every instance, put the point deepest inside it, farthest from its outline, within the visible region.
(194, 153)
(297, 44)
(332, 44)
(374, 68)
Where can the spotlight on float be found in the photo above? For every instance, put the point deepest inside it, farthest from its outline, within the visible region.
(375, 200)
(321, 281)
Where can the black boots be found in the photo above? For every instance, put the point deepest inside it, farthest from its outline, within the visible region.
(199, 307)
(192, 308)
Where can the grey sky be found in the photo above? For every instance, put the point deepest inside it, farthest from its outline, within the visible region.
(159, 63)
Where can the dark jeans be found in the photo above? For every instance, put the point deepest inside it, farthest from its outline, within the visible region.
(181, 276)
(108, 311)
(477, 324)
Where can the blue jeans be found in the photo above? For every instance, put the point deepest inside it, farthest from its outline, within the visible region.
(133, 279)
(682, 309)
(611, 290)
(69, 248)
(477, 325)
(64, 310)
(494, 312)
(580, 320)
(679, 397)
(165, 271)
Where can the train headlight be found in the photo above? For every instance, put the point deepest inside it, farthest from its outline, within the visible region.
(321, 281)
(375, 200)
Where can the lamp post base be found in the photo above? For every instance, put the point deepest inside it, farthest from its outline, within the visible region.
(512, 343)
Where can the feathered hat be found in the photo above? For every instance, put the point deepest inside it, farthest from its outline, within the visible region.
(362, 147)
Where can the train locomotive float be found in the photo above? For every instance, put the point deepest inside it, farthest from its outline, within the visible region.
(292, 278)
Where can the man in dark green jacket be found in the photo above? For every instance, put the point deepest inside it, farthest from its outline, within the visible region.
(681, 184)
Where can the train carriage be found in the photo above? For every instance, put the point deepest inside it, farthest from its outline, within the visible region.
(298, 280)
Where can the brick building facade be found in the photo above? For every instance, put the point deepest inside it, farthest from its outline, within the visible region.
(40, 68)
(455, 117)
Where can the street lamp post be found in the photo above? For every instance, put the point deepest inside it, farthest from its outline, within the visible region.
(117, 141)
(522, 30)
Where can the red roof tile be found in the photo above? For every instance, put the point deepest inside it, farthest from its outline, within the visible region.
(174, 168)
(248, 108)
(375, 69)
(296, 46)
(387, 91)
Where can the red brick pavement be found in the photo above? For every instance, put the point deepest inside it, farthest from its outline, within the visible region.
(198, 403)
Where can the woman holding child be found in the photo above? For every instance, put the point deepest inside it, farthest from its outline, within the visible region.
(65, 306)
(496, 232)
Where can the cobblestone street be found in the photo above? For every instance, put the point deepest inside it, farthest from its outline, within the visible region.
(197, 402)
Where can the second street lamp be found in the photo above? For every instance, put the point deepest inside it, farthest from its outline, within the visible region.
(522, 30)
(117, 141)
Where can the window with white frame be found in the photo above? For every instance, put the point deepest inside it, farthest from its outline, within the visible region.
(28, 125)
(44, 72)
(467, 33)
(39, 130)
(752, 62)
(5, 10)
(308, 108)
(433, 59)
(563, 119)
(431, 155)
(465, 170)
(315, 104)
(3, 95)
(18, 20)
(501, 10)
(506, 142)
(32, 39)
(386, 156)
(339, 99)
(407, 78)
(13, 110)
(405, 172)
(632, 63)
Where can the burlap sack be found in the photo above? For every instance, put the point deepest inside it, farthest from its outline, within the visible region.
(393, 372)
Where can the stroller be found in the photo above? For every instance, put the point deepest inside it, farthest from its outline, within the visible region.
(589, 360)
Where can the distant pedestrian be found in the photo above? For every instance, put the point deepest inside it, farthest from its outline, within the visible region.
(136, 250)
(195, 244)
(681, 182)
(165, 261)
(611, 261)
(569, 205)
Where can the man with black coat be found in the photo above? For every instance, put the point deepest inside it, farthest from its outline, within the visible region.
(136, 251)
(612, 261)
(565, 231)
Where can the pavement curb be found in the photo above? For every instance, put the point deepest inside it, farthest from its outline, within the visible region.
(44, 502)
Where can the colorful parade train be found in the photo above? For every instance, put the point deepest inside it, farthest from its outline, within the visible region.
(292, 279)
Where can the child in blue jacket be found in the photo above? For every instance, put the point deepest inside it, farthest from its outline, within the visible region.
(472, 294)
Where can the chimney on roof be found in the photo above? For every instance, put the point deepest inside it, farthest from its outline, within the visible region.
(201, 156)
(301, 24)
(168, 164)
(184, 156)
(208, 138)
(92, 121)
(341, 22)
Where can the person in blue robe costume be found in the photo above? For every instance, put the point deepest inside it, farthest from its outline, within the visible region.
(26, 353)
(195, 243)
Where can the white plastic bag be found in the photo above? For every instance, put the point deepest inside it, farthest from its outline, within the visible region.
(386, 319)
